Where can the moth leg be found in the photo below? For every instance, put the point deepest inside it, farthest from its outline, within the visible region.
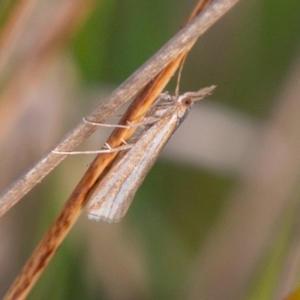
(165, 96)
(106, 149)
(106, 125)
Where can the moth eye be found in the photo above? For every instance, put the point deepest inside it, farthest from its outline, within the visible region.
(187, 101)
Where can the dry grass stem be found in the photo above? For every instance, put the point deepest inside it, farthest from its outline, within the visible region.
(168, 59)
(114, 101)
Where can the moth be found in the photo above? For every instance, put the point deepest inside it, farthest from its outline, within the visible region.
(111, 198)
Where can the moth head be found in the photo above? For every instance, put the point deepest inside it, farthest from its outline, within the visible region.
(185, 100)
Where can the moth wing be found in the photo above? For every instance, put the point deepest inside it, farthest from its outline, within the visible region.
(112, 197)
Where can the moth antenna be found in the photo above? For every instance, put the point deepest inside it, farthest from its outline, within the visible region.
(179, 77)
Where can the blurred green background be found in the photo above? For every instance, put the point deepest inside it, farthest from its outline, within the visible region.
(154, 252)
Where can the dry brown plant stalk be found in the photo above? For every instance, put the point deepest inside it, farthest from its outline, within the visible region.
(115, 100)
(73, 207)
